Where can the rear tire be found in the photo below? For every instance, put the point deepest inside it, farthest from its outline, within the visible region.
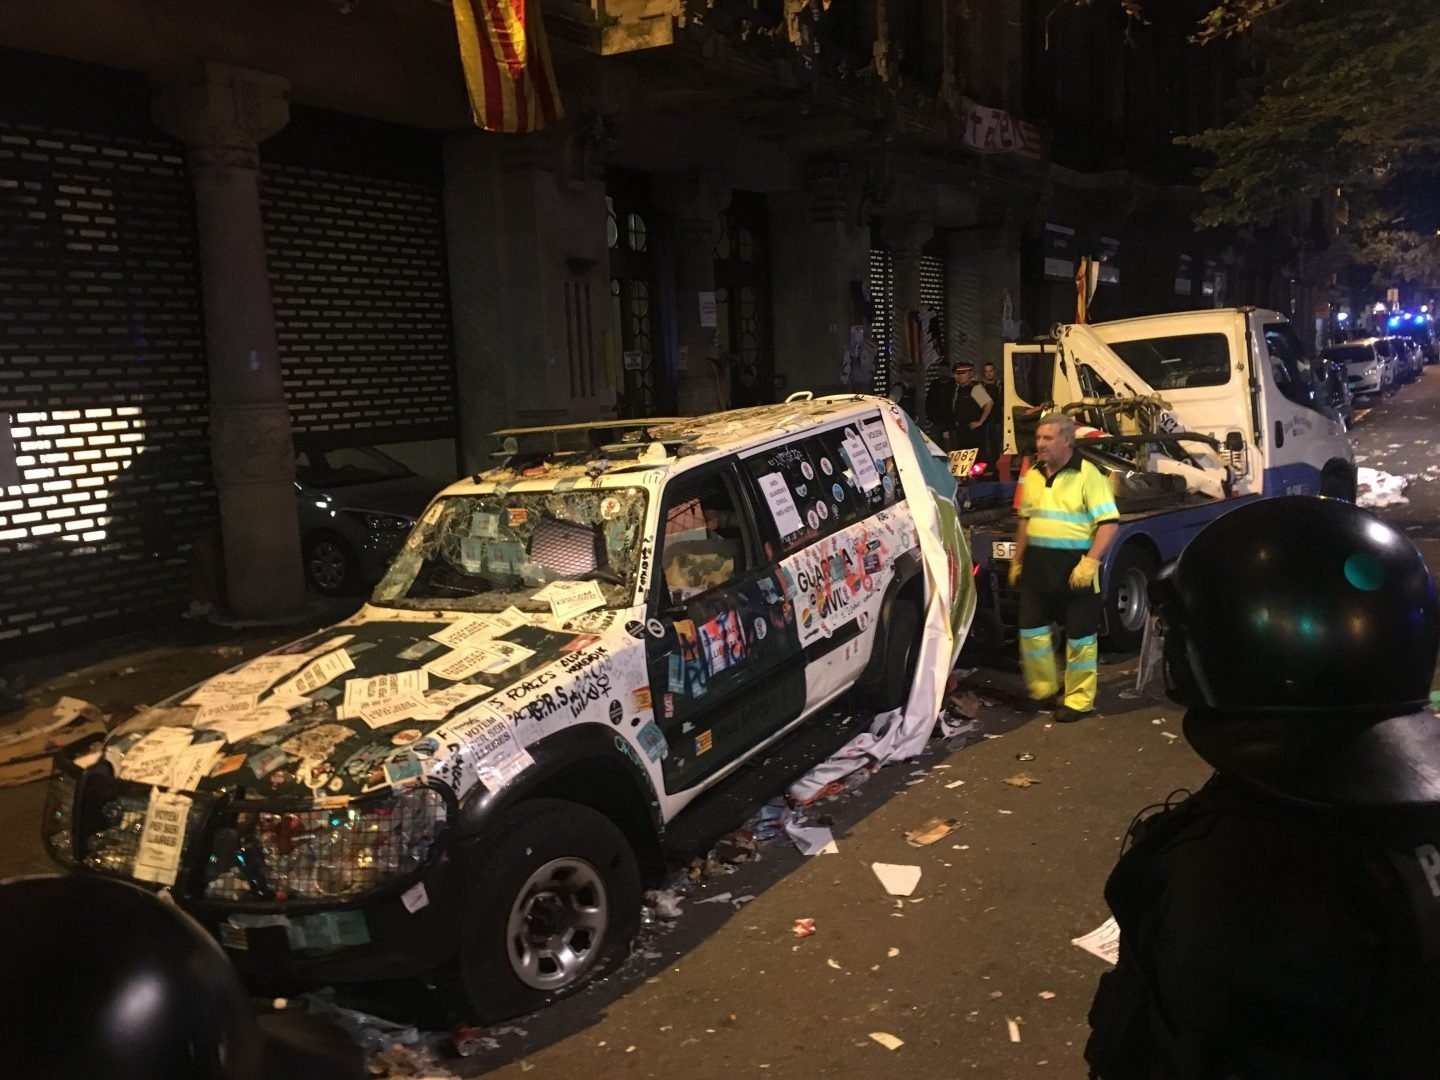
(330, 564)
(1127, 600)
(902, 654)
(552, 900)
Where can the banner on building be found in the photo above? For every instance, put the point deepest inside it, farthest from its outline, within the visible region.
(508, 72)
(995, 131)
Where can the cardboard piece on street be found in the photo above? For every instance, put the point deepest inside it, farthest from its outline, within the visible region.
(898, 880)
(27, 745)
(885, 1039)
(933, 830)
(1020, 780)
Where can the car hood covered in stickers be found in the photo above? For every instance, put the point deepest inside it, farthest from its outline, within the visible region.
(381, 701)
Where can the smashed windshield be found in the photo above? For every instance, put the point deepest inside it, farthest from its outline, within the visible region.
(489, 552)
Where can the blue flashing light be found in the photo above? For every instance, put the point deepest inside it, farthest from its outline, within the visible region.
(1394, 320)
(1343, 316)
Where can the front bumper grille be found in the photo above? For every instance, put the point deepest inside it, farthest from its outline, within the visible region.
(252, 852)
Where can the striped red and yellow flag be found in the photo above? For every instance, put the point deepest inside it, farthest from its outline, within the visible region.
(507, 65)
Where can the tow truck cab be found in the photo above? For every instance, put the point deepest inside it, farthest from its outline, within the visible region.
(1195, 412)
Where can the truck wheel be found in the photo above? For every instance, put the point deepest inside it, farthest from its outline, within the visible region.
(902, 652)
(1127, 602)
(552, 898)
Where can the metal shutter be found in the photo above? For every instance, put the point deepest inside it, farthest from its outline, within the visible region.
(102, 365)
(357, 270)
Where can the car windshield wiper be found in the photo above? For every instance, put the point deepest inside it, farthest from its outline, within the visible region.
(603, 573)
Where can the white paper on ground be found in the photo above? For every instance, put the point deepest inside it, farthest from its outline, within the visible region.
(816, 840)
(161, 837)
(317, 673)
(360, 693)
(782, 506)
(718, 898)
(885, 1039)
(1103, 941)
(898, 880)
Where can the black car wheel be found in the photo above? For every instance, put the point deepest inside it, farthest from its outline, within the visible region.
(552, 899)
(1127, 602)
(901, 642)
(330, 564)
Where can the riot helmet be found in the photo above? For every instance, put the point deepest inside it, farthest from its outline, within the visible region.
(1302, 632)
(105, 979)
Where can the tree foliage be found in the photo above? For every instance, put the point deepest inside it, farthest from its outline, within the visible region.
(1346, 112)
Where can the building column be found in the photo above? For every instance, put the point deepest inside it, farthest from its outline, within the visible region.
(820, 262)
(906, 239)
(694, 202)
(222, 117)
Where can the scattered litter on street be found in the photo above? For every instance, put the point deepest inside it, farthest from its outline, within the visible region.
(812, 840)
(718, 898)
(1026, 756)
(371, 1033)
(28, 744)
(666, 904)
(1103, 941)
(739, 847)
(1377, 489)
(894, 952)
(954, 784)
(469, 1041)
(834, 964)
(899, 880)
(416, 1062)
(1014, 1025)
(1046, 995)
(1170, 735)
(803, 928)
(1021, 780)
(885, 1039)
(931, 831)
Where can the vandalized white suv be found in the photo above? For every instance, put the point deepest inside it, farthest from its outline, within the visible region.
(570, 647)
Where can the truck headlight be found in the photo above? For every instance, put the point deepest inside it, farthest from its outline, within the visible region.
(324, 854)
(383, 524)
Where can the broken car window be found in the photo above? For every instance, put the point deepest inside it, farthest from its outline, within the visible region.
(488, 552)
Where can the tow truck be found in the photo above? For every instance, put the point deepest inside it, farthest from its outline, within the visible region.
(1190, 415)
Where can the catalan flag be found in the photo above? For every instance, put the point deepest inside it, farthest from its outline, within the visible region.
(508, 71)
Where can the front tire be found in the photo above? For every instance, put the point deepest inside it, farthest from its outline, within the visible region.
(552, 899)
(1127, 600)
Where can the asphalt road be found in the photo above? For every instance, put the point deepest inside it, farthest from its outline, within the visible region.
(984, 940)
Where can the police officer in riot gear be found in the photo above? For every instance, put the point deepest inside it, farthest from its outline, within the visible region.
(102, 980)
(1284, 921)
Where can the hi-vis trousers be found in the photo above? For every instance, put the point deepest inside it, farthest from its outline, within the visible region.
(1046, 598)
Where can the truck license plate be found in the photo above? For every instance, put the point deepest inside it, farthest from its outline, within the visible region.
(1002, 549)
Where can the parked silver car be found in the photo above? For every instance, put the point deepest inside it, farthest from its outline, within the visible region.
(356, 505)
(1370, 372)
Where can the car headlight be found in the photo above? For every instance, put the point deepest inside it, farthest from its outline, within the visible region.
(1372, 370)
(392, 524)
(324, 854)
(58, 825)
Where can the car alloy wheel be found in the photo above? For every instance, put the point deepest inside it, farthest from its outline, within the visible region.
(556, 930)
(329, 565)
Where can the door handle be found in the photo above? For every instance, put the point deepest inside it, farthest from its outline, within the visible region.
(1279, 434)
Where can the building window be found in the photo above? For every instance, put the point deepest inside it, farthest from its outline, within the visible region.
(635, 232)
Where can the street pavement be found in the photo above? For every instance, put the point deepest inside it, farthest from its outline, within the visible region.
(985, 939)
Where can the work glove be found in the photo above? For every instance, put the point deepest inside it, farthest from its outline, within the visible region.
(1014, 572)
(1083, 576)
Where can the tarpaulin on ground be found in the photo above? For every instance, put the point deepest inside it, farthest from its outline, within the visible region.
(949, 609)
